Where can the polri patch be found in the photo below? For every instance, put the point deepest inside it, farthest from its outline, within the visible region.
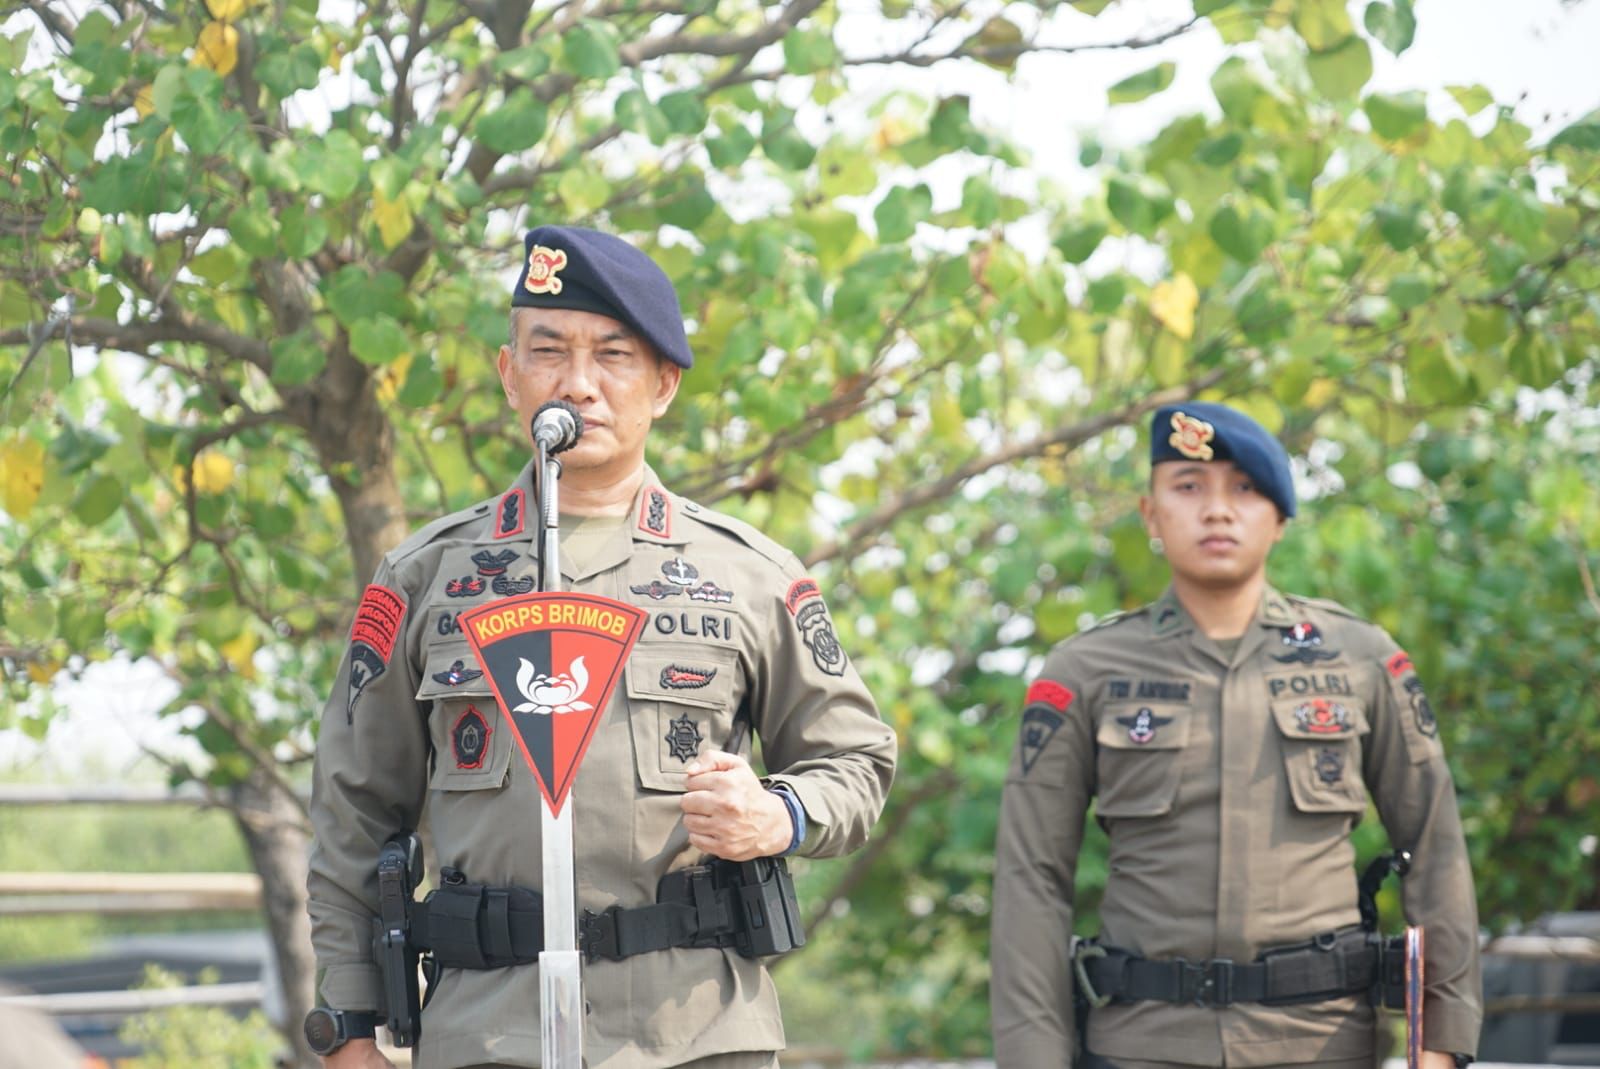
(469, 738)
(1048, 692)
(681, 677)
(1422, 708)
(1330, 766)
(1143, 725)
(372, 638)
(1039, 725)
(655, 513)
(804, 601)
(1305, 645)
(468, 586)
(457, 674)
(684, 738)
(491, 564)
(1323, 716)
(509, 517)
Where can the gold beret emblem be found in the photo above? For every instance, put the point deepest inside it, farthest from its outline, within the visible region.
(543, 264)
(1192, 437)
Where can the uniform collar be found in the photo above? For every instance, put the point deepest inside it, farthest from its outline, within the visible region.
(1169, 617)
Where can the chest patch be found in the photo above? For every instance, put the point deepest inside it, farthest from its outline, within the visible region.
(684, 738)
(1323, 716)
(1143, 725)
(469, 738)
(1303, 642)
(1330, 766)
(680, 677)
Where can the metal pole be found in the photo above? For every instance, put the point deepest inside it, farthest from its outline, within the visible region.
(560, 978)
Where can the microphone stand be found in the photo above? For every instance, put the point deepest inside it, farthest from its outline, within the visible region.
(560, 977)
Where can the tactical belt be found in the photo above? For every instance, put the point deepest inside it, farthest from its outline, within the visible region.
(1332, 965)
(476, 926)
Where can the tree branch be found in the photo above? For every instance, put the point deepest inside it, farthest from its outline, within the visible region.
(1071, 436)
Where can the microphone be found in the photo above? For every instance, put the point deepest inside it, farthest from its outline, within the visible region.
(557, 426)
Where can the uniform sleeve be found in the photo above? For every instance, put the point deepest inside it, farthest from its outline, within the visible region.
(820, 731)
(369, 782)
(1047, 792)
(1409, 780)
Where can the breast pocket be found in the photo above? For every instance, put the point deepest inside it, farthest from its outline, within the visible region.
(1137, 749)
(681, 703)
(1321, 738)
(471, 743)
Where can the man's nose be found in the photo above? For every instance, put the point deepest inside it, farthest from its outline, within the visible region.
(579, 381)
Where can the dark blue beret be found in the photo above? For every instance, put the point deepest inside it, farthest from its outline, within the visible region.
(569, 267)
(1199, 430)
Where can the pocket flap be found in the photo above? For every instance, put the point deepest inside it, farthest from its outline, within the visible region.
(695, 676)
(1144, 726)
(451, 671)
(1321, 717)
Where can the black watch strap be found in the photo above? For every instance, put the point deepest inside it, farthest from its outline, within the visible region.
(327, 1030)
(1463, 1060)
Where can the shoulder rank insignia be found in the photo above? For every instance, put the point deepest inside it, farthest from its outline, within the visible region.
(655, 513)
(509, 517)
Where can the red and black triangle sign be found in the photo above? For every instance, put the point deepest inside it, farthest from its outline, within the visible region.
(553, 661)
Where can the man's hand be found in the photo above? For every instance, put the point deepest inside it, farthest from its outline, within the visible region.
(1432, 1059)
(729, 814)
(358, 1054)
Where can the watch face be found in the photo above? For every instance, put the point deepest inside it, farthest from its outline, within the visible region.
(322, 1031)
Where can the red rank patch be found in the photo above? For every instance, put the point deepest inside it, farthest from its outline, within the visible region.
(553, 661)
(1399, 664)
(655, 513)
(378, 619)
(1048, 692)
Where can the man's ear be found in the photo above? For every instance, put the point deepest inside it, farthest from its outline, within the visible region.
(1147, 512)
(508, 381)
(668, 377)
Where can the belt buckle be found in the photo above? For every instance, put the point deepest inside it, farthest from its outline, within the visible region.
(1212, 981)
(597, 935)
(1087, 950)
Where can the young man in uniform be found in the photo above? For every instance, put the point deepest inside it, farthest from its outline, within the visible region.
(735, 631)
(1230, 737)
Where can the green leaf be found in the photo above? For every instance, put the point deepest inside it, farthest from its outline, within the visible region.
(423, 383)
(379, 340)
(1340, 73)
(332, 165)
(808, 51)
(1146, 83)
(1401, 227)
(251, 228)
(1583, 135)
(164, 90)
(353, 294)
(636, 112)
(221, 265)
(1077, 241)
(689, 205)
(583, 189)
(1091, 7)
(785, 146)
(525, 63)
(845, 170)
(1002, 40)
(1395, 26)
(1323, 24)
(1107, 294)
(302, 230)
(590, 49)
(685, 112)
(1241, 229)
(732, 148)
(1202, 8)
(297, 359)
(98, 500)
(517, 124)
(901, 209)
(1472, 98)
(1398, 115)
(1138, 202)
(1220, 151)
(1409, 290)
(1237, 89)
(951, 126)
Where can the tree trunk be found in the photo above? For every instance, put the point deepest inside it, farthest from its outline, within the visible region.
(275, 832)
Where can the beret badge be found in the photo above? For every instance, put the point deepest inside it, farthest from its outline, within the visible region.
(543, 263)
(1192, 437)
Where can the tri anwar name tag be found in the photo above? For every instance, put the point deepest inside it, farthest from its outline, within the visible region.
(553, 661)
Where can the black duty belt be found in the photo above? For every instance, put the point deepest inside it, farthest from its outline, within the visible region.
(1332, 965)
(476, 926)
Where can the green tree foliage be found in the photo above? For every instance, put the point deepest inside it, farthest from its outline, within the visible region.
(254, 266)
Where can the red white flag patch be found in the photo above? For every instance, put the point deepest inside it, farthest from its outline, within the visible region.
(1049, 692)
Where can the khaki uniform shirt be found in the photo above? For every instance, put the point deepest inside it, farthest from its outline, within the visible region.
(411, 726)
(1228, 786)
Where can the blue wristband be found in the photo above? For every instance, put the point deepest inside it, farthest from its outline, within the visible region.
(797, 816)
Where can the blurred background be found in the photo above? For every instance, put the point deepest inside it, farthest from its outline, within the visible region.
(939, 260)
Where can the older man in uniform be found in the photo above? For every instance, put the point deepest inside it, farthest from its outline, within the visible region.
(735, 632)
(1230, 737)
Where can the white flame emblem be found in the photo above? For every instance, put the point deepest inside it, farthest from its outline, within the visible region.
(559, 693)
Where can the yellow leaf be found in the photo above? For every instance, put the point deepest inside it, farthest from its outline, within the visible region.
(213, 473)
(145, 102)
(892, 130)
(1173, 303)
(393, 218)
(22, 461)
(391, 378)
(43, 671)
(226, 10)
(240, 653)
(218, 48)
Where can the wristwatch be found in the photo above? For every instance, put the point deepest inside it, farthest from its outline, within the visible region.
(328, 1030)
(1463, 1060)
